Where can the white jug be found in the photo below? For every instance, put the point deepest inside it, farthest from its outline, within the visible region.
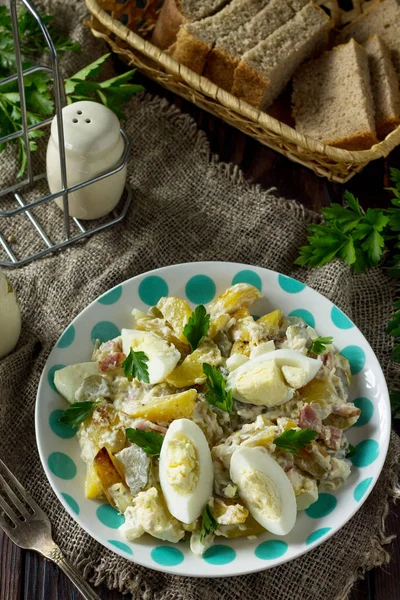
(10, 317)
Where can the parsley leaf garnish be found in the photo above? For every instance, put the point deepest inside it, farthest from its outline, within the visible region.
(318, 345)
(197, 326)
(78, 412)
(150, 441)
(217, 394)
(208, 522)
(135, 366)
(293, 440)
(350, 451)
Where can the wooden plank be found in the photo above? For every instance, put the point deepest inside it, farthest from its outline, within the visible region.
(11, 567)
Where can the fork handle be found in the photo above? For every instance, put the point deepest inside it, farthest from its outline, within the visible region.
(73, 574)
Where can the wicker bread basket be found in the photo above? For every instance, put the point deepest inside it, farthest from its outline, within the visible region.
(126, 25)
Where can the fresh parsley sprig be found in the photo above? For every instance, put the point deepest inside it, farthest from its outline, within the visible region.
(216, 393)
(135, 366)
(319, 344)
(78, 412)
(150, 441)
(197, 327)
(113, 93)
(357, 237)
(294, 440)
(208, 522)
(350, 451)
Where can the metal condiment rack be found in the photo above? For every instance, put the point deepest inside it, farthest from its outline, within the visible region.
(23, 207)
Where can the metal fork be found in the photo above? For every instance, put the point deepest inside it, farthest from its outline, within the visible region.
(32, 530)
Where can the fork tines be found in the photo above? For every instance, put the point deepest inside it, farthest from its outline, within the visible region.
(11, 504)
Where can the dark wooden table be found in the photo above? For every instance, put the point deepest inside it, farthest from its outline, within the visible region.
(25, 575)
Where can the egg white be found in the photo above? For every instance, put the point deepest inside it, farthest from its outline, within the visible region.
(187, 506)
(280, 517)
(163, 357)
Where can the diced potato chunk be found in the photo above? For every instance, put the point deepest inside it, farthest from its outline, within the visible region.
(107, 473)
(273, 321)
(242, 313)
(240, 295)
(167, 408)
(319, 391)
(190, 372)
(157, 325)
(176, 312)
(262, 438)
(241, 347)
(249, 527)
(68, 379)
(218, 323)
(93, 487)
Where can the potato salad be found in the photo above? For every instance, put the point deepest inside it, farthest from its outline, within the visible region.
(211, 422)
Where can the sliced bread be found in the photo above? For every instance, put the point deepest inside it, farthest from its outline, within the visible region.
(332, 98)
(383, 19)
(195, 40)
(264, 71)
(385, 86)
(176, 12)
(228, 50)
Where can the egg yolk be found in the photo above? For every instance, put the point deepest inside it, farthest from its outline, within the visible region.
(262, 384)
(261, 493)
(182, 464)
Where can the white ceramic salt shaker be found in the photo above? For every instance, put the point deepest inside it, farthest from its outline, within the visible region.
(93, 144)
(10, 317)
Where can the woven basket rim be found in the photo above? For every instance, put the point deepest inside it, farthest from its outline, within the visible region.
(205, 86)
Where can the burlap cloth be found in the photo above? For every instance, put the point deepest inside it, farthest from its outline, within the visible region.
(187, 207)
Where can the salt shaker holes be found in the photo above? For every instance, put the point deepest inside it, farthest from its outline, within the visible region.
(88, 121)
(78, 112)
(75, 120)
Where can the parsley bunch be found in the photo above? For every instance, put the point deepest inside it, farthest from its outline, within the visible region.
(113, 93)
(363, 239)
(357, 237)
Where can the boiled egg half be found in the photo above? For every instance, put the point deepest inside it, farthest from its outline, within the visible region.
(265, 489)
(269, 379)
(186, 470)
(163, 357)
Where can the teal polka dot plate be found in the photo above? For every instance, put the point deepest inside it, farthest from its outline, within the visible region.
(199, 283)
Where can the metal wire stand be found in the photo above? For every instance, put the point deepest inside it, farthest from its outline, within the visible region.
(14, 191)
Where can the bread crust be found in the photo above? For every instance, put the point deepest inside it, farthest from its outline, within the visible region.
(190, 51)
(220, 68)
(362, 140)
(248, 84)
(168, 23)
(384, 128)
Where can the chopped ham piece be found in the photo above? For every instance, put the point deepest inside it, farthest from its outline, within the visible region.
(146, 425)
(308, 419)
(109, 355)
(112, 361)
(332, 436)
(347, 410)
